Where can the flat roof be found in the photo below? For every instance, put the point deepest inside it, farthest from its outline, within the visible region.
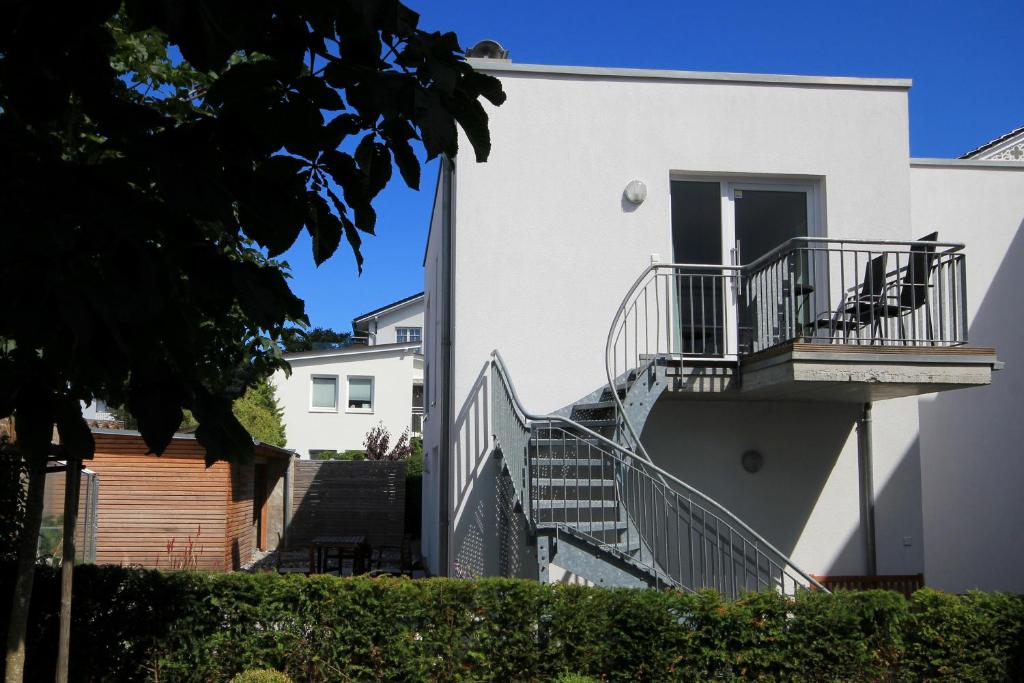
(967, 163)
(493, 65)
(353, 350)
(186, 436)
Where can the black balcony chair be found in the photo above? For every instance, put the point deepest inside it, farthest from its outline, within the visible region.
(913, 292)
(858, 309)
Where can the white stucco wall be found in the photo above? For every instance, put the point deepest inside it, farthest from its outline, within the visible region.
(394, 370)
(805, 499)
(971, 453)
(432, 398)
(546, 248)
(383, 327)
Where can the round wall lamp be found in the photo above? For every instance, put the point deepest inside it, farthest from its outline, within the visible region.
(636, 192)
(752, 461)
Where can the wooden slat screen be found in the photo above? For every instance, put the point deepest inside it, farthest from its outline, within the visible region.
(343, 498)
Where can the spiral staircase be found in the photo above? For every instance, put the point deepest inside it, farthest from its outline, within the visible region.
(599, 508)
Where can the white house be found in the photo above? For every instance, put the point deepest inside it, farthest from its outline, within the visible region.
(400, 322)
(334, 396)
(765, 337)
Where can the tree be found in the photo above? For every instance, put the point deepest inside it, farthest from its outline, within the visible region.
(298, 339)
(260, 414)
(379, 438)
(173, 183)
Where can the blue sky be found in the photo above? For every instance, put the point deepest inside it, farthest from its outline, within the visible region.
(965, 59)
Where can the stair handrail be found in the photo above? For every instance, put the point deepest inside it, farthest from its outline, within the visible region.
(620, 322)
(633, 459)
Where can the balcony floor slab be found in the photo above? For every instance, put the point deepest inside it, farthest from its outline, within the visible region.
(799, 371)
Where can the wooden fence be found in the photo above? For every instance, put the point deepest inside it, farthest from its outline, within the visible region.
(903, 583)
(345, 498)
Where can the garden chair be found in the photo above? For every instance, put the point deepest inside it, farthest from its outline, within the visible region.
(859, 309)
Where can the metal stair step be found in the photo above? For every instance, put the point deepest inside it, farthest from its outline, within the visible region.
(575, 483)
(599, 405)
(626, 548)
(566, 441)
(566, 462)
(591, 527)
(573, 504)
(611, 422)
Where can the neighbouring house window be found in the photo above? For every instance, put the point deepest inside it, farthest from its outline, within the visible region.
(324, 393)
(409, 334)
(360, 394)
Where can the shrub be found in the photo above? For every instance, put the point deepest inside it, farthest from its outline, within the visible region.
(131, 625)
(343, 455)
(261, 676)
(378, 441)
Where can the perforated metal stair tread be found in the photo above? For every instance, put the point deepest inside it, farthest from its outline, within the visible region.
(575, 504)
(567, 462)
(575, 483)
(599, 405)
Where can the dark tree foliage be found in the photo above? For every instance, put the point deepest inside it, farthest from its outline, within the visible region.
(297, 339)
(144, 197)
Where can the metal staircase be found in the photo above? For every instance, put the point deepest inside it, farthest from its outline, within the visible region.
(599, 508)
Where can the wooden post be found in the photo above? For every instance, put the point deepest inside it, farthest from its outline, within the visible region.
(72, 484)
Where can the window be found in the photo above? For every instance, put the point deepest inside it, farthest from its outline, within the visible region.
(324, 394)
(360, 394)
(409, 334)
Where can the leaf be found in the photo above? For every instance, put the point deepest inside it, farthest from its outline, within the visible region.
(324, 228)
(436, 124)
(397, 134)
(319, 93)
(75, 435)
(219, 431)
(155, 397)
(263, 293)
(354, 241)
(475, 83)
(374, 161)
(473, 118)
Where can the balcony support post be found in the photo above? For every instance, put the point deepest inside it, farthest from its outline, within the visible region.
(867, 487)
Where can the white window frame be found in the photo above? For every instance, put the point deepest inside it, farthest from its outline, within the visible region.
(398, 335)
(373, 394)
(317, 409)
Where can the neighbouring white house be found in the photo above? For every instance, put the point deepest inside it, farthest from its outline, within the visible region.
(334, 396)
(98, 411)
(721, 330)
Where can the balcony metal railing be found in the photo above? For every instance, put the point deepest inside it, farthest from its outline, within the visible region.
(416, 425)
(864, 292)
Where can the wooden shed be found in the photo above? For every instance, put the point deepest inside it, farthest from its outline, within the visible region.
(169, 510)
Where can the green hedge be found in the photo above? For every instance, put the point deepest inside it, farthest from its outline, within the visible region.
(145, 625)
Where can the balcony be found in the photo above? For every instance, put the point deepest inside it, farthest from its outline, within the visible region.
(813, 319)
